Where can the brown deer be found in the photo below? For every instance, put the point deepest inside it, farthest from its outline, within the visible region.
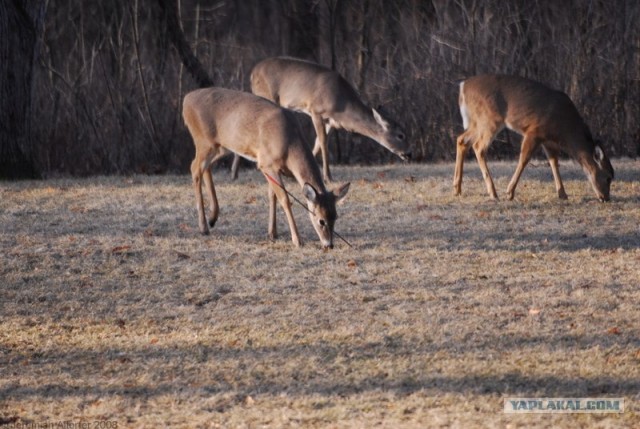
(543, 116)
(330, 101)
(222, 120)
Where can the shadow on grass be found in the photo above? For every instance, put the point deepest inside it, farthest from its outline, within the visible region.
(514, 384)
(325, 377)
(566, 242)
(538, 169)
(492, 238)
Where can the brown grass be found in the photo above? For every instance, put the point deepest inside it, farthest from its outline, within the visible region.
(114, 308)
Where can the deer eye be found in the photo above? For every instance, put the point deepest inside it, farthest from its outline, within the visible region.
(322, 222)
(401, 136)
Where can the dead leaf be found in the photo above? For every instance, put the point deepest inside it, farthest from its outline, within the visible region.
(182, 255)
(249, 401)
(534, 311)
(121, 249)
(153, 340)
(351, 263)
(94, 403)
(377, 185)
(615, 331)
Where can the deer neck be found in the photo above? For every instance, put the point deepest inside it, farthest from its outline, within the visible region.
(583, 156)
(580, 148)
(304, 168)
(359, 119)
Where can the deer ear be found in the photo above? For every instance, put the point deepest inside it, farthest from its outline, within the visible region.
(384, 124)
(310, 193)
(341, 192)
(598, 155)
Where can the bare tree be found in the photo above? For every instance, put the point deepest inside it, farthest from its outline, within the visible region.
(20, 26)
(174, 29)
(107, 87)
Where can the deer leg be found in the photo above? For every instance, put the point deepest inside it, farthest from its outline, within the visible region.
(552, 155)
(213, 200)
(316, 145)
(321, 144)
(211, 189)
(234, 166)
(480, 148)
(462, 147)
(197, 168)
(529, 144)
(283, 198)
(273, 231)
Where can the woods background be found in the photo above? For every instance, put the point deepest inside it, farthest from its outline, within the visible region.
(104, 82)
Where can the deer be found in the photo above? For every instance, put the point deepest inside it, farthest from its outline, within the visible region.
(330, 101)
(541, 115)
(221, 121)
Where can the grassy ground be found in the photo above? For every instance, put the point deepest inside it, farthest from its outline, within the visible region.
(113, 309)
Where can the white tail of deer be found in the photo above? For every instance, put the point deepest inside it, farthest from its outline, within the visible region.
(330, 101)
(222, 120)
(543, 116)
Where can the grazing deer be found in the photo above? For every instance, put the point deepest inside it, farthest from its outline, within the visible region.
(330, 101)
(543, 116)
(222, 120)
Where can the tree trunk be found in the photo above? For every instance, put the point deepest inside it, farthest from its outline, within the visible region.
(176, 35)
(20, 26)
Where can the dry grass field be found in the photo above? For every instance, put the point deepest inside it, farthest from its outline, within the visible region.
(114, 309)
